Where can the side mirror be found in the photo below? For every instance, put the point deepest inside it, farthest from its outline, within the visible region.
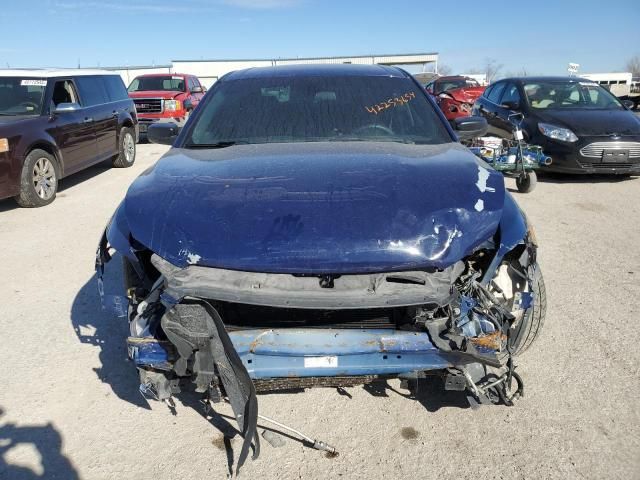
(515, 106)
(470, 127)
(66, 108)
(196, 90)
(628, 104)
(163, 133)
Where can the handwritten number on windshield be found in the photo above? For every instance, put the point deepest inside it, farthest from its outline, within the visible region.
(391, 103)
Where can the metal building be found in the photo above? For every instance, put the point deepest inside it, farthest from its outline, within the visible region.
(210, 70)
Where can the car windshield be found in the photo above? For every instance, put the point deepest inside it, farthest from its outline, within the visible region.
(167, 83)
(21, 96)
(316, 108)
(444, 85)
(569, 94)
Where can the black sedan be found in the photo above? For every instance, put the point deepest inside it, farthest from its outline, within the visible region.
(583, 127)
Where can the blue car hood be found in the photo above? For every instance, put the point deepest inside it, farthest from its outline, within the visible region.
(311, 208)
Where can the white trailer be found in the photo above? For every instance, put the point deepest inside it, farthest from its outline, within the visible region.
(621, 84)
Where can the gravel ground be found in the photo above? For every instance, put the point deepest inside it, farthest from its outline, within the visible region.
(70, 406)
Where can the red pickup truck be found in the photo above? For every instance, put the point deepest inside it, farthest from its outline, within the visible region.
(165, 97)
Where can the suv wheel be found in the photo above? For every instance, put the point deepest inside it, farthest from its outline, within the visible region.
(38, 180)
(126, 148)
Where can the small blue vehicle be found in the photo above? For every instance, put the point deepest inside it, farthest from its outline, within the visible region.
(322, 226)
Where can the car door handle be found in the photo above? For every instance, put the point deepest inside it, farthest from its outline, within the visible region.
(87, 120)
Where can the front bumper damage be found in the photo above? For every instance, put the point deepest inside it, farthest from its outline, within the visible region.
(301, 331)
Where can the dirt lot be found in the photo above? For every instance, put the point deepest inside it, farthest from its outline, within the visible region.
(71, 409)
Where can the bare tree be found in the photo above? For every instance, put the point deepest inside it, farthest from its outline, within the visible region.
(633, 65)
(492, 69)
(444, 69)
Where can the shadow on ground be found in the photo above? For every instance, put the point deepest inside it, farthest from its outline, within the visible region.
(561, 178)
(46, 441)
(86, 174)
(429, 392)
(101, 328)
(549, 177)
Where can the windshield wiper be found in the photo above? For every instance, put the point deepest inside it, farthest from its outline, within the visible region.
(229, 143)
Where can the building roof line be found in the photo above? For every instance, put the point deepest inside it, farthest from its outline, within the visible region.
(307, 58)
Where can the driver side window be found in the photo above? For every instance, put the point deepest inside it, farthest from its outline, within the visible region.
(511, 94)
(495, 93)
(64, 92)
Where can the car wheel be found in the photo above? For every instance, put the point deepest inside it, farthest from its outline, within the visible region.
(38, 180)
(528, 329)
(126, 148)
(527, 182)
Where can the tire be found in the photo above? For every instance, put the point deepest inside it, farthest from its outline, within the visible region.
(126, 148)
(38, 180)
(529, 328)
(528, 183)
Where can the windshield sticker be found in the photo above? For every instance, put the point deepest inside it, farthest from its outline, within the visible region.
(391, 102)
(33, 83)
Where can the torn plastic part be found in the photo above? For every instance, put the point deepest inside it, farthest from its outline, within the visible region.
(197, 331)
(289, 291)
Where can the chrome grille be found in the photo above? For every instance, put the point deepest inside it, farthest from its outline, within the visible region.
(594, 150)
(148, 105)
(609, 165)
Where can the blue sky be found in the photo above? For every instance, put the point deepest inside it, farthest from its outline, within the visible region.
(540, 37)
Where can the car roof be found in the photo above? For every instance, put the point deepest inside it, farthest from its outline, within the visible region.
(165, 75)
(302, 70)
(545, 79)
(52, 72)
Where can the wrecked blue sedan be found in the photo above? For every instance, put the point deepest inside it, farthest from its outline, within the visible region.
(323, 226)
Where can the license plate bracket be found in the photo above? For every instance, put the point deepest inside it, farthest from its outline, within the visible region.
(615, 156)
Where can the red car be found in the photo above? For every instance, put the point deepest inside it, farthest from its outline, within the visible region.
(165, 97)
(455, 95)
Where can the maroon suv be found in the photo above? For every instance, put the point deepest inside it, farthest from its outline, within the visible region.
(56, 122)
